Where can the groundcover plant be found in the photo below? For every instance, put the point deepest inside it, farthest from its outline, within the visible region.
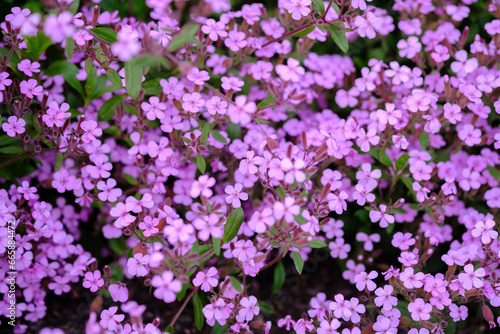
(216, 166)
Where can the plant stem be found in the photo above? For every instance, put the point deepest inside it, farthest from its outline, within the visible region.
(183, 306)
(273, 261)
(294, 31)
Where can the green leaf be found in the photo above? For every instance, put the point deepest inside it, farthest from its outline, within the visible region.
(186, 34)
(304, 32)
(11, 150)
(169, 329)
(90, 84)
(7, 140)
(270, 99)
(68, 71)
(236, 284)
(133, 78)
(148, 60)
(130, 179)
(300, 219)
(408, 182)
(104, 34)
(114, 77)
(216, 243)
(118, 245)
(204, 132)
(494, 172)
(281, 192)
(317, 243)
(265, 307)
(261, 120)
(88, 65)
(423, 140)
(200, 162)
(298, 261)
(384, 158)
(217, 136)
(338, 37)
(73, 8)
(318, 5)
(233, 130)
(199, 319)
(152, 87)
(219, 329)
(180, 295)
(401, 162)
(107, 110)
(61, 67)
(233, 224)
(59, 160)
(36, 45)
(279, 277)
(70, 47)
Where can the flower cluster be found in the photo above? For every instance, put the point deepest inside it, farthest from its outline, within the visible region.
(203, 153)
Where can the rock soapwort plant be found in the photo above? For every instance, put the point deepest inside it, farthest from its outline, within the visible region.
(170, 161)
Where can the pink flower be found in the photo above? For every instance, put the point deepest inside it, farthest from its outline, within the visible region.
(384, 298)
(232, 83)
(58, 27)
(215, 105)
(241, 111)
(292, 71)
(30, 88)
(470, 135)
(121, 212)
(93, 280)
(127, 44)
(287, 209)
(293, 171)
(463, 66)
(28, 67)
(249, 308)
(367, 26)
(198, 77)
(382, 215)
(166, 286)
(91, 131)
(192, 102)
(458, 313)
(235, 194)
(338, 202)
(138, 265)
(298, 8)
(109, 318)
(177, 231)
(14, 126)
(162, 151)
(154, 109)
(261, 220)
(471, 277)
(202, 186)
(485, 230)
(208, 226)
(214, 29)
(249, 164)
(244, 250)
(119, 292)
(149, 226)
(236, 40)
(108, 190)
(420, 310)
(410, 279)
(365, 280)
(56, 115)
(206, 280)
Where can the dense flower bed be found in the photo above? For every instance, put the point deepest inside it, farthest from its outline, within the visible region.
(186, 152)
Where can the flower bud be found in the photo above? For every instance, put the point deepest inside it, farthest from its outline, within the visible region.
(488, 316)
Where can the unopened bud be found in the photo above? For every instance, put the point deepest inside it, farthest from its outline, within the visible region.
(95, 306)
(488, 316)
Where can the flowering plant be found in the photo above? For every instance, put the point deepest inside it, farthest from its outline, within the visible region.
(184, 154)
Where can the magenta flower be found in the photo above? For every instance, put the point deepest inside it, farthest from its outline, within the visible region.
(384, 298)
(28, 67)
(109, 318)
(215, 105)
(236, 40)
(382, 215)
(27, 191)
(30, 88)
(149, 226)
(298, 8)
(202, 186)
(471, 278)
(176, 231)
(241, 111)
(154, 109)
(420, 310)
(14, 126)
(364, 279)
(485, 230)
(249, 308)
(91, 131)
(138, 265)
(127, 44)
(214, 29)
(166, 286)
(93, 280)
(293, 170)
(235, 195)
(290, 72)
(287, 209)
(192, 102)
(338, 202)
(58, 27)
(206, 280)
(56, 115)
(198, 77)
(108, 190)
